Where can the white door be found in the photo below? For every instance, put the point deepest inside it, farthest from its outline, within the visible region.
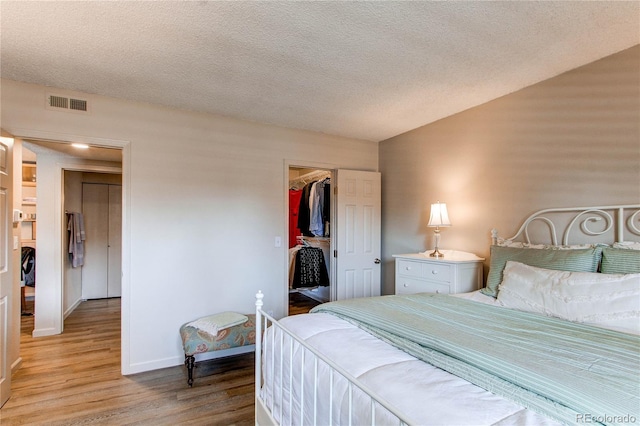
(102, 210)
(358, 235)
(95, 208)
(5, 269)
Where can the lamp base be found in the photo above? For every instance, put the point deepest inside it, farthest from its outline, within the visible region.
(436, 253)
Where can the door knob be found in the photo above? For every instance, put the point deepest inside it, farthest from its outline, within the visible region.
(377, 261)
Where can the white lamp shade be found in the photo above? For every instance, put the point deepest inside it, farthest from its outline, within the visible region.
(439, 215)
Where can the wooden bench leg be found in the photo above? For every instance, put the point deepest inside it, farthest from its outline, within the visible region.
(190, 362)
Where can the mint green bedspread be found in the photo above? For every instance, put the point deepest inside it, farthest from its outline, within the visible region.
(573, 373)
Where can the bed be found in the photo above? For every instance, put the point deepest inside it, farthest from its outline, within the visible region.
(552, 338)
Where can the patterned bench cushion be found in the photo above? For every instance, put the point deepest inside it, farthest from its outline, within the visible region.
(195, 341)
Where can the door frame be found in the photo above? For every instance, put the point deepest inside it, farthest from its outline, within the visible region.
(59, 227)
(59, 236)
(9, 303)
(285, 252)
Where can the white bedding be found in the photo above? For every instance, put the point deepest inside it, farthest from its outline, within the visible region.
(427, 395)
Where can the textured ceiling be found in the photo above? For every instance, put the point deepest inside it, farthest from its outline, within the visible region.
(368, 70)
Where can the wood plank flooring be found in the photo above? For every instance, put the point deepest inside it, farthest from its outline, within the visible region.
(300, 304)
(74, 379)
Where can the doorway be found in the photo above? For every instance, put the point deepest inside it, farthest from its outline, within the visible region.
(96, 199)
(309, 241)
(53, 157)
(28, 232)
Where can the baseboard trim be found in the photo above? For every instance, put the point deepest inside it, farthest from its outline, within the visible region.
(177, 360)
(42, 332)
(156, 364)
(72, 308)
(16, 365)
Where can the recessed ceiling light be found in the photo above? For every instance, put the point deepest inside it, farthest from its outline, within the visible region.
(80, 145)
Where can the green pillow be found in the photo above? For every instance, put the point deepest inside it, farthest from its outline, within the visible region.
(620, 261)
(580, 260)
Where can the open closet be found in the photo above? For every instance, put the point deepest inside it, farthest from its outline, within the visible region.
(28, 233)
(309, 230)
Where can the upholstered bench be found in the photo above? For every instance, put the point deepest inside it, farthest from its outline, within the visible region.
(228, 332)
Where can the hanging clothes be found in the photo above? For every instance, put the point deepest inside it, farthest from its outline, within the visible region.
(310, 268)
(294, 208)
(316, 203)
(319, 206)
(326, 211)
(77, 236)
(304, 213)
(293, 253)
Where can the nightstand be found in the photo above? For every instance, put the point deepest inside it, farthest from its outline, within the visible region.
(455, 272)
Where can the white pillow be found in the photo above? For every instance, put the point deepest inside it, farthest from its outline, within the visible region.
(606, 300)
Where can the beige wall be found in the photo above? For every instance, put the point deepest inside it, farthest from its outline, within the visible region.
(203, 199)
(573, 140)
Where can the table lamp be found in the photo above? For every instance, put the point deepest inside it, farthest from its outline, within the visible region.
(439, 217)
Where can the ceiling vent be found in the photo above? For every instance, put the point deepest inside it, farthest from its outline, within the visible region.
(58, 103)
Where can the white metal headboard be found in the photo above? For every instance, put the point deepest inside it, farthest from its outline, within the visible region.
(623, 219)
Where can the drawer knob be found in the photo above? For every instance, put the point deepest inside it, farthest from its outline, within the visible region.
(406, 285)
(434, 272)
(408, 268)
(437, 291)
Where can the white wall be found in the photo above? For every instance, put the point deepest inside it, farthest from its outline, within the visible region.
(570, 141)
(204, 199)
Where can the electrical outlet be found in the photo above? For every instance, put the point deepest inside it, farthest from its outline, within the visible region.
(278, 242)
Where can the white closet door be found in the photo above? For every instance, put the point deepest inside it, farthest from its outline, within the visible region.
(95, 208)
(358, 235)
(6, 284)
(102, 209)
(114, 277)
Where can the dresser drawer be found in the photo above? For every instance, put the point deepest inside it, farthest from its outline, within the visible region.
(409, 268)
(456, 272)
(410, 286)
(437, 272)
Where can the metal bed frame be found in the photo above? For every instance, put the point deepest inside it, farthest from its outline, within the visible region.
(264, 411)
(610, 217)
(619, 220)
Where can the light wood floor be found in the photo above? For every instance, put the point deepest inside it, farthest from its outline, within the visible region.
(300, 304)
(74, 379)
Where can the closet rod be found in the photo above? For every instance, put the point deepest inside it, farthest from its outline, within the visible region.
(308, 177)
